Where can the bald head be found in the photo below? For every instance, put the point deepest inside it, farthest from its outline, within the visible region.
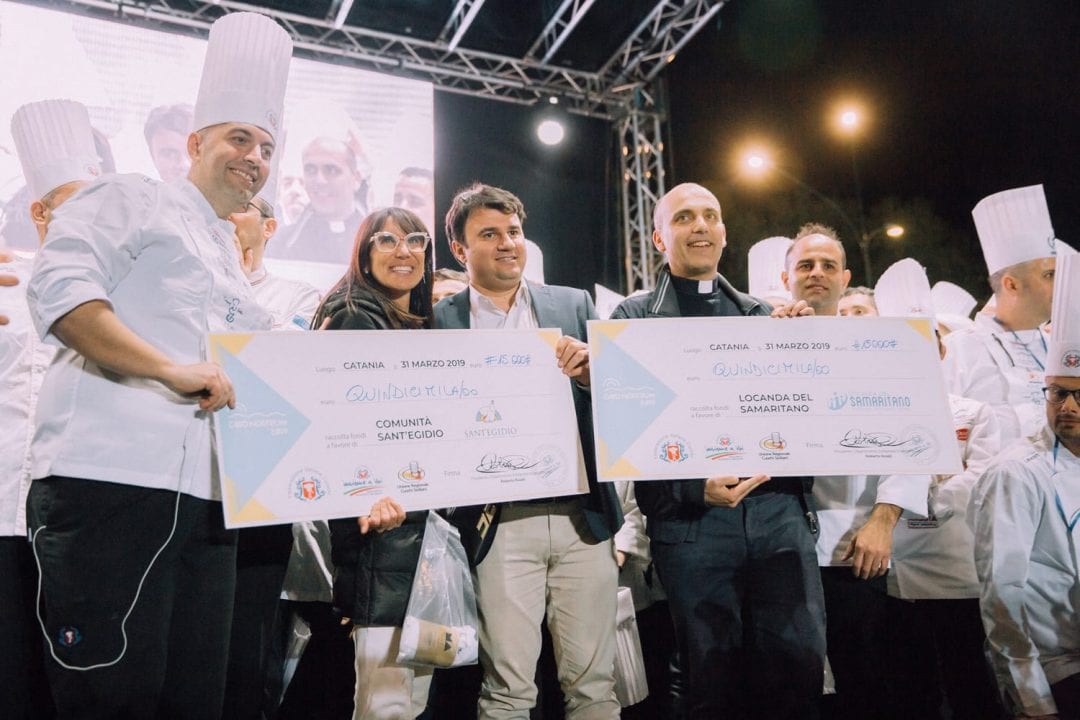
(689, 231)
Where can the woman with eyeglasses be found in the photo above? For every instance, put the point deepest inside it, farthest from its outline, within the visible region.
(387, 286)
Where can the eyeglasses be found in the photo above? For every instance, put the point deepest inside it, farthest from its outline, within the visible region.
(1057, 395)
(387, 242)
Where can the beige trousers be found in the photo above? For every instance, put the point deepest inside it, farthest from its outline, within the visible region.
(544, 560)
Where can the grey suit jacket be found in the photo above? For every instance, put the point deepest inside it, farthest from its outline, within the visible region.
(568, 309)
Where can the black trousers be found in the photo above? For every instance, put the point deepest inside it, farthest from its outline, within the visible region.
(745, 598)
(860, 614)
(136, 615)
(1067, 697)
(942, 668)
(24, 691)
(257, 641)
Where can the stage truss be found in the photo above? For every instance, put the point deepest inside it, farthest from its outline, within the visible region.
(624, 91)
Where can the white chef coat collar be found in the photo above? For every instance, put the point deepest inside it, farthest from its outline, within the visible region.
(194, 194)
(1066, 481)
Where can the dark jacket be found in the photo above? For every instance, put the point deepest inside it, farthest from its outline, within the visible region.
(568, 309)
(674, 506)
(374, 571)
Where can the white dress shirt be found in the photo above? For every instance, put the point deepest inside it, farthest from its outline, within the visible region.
(168, 267)
(1024, 512)
(486, 315)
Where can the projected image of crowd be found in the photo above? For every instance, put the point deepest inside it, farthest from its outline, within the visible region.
(124, 593)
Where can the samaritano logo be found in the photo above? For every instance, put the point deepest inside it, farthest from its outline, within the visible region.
(880, 400)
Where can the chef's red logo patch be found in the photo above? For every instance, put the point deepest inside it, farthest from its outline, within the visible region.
(962, 434)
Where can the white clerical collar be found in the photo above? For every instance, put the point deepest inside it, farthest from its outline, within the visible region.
(696, 287)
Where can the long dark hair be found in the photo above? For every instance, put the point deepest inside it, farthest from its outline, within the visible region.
(358, 280)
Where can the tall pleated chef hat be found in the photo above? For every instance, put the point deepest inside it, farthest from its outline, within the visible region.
(1014, 227)
(903, 290)
(245, 73)
(1063, 353)
(55, 145)
(952, 305)
(765, 261)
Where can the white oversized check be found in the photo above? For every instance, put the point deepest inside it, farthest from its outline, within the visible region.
(328, 422)
(697, 397)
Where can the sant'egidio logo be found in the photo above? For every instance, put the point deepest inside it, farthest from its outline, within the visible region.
(488, 414)
(1071, 359)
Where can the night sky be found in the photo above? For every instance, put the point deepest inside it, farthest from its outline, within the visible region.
(967, 98)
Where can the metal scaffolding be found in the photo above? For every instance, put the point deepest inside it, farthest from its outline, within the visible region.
(622, 91)
(641, 164)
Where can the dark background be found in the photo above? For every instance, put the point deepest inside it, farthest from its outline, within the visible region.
(967, 98)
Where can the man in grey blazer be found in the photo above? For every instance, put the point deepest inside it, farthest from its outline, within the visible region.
(552, 556)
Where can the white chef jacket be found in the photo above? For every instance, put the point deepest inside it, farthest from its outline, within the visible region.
(168, 266)
(934, 557)
(1024, 512)
(291, 303)
(844, 503)
(1003, 369)
(23, 362)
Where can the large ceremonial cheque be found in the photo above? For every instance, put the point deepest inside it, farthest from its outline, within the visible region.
(697, 397)
(328, 422)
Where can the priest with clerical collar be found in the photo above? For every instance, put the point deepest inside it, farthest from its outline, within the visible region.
(751, 639)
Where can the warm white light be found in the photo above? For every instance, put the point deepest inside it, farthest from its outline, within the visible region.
(895, 231)
(550, 132)
(756, 162)
(849, 119)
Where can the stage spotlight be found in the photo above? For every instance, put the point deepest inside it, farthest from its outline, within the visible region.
(550, 131)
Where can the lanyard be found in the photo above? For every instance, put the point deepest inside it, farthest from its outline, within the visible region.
(1023, 344)
(1057, 498)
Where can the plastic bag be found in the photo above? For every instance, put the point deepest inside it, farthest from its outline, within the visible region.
(440, 621)
(631, 687)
